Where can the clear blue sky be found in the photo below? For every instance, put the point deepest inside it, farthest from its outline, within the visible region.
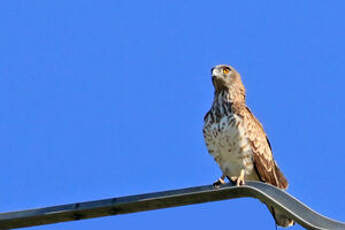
(102, 99)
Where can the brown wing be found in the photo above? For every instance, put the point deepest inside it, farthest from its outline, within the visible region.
(266, 167)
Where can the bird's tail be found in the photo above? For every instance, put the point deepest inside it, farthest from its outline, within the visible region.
(280, 218)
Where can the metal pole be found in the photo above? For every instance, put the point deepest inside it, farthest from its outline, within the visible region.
(173, 198)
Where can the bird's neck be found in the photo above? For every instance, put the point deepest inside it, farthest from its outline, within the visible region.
(224, 104)
(229, 97)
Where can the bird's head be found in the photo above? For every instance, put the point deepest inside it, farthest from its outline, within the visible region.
(225, 77)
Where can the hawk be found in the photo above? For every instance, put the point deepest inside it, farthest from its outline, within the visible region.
(237, 140)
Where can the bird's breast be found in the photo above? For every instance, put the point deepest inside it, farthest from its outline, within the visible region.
(227, 142)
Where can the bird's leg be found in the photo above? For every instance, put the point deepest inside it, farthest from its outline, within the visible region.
(219, 182)
(240, 179)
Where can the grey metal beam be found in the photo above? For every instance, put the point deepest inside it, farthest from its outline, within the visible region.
(173, 198)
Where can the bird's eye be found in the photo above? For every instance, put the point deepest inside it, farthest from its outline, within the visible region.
(226, 70)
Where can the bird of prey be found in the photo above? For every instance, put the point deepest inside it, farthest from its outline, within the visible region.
(237, 140)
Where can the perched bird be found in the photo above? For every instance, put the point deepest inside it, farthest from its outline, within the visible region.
(237, 140)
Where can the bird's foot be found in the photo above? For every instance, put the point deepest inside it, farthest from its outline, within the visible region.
(239, 180)
(219, 182)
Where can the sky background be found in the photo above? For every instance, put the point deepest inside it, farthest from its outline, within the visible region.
(102, 99)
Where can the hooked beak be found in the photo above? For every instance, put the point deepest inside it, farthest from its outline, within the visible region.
(217, 79)
(215, 75)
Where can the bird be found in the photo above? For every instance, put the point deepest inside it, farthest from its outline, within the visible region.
(237, 140)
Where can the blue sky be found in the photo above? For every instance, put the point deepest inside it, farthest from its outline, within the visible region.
(102, 99)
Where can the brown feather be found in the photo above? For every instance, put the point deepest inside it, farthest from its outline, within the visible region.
(265, 166)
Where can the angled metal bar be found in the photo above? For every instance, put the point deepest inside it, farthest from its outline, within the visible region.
(271, 195)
